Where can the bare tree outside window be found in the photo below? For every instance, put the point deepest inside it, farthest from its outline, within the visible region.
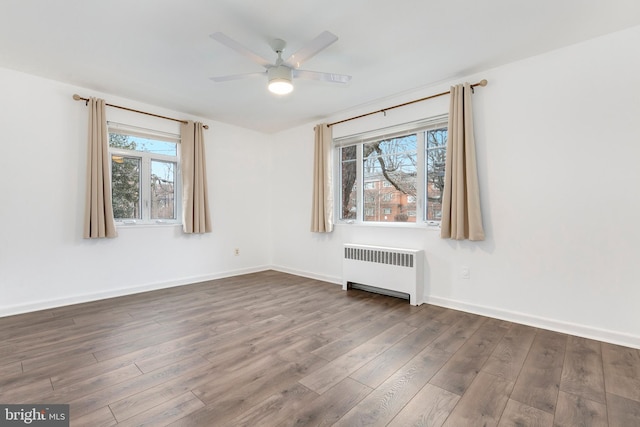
(392, 165)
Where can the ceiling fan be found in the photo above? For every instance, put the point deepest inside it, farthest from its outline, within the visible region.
(281, 73)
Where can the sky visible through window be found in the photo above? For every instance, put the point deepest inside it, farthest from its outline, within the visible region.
(157, 147)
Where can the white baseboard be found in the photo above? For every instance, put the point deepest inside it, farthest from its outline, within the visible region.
(307, 274)
(77, 299)
(584, 331)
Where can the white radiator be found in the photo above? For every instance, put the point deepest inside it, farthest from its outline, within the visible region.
(397, 272)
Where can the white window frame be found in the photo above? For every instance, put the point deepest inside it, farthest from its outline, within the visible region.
(419, 127)
(145, 172)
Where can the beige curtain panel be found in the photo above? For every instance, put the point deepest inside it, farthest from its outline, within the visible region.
(98, 213)
(322, 206)
(461, 215)
(195, 199)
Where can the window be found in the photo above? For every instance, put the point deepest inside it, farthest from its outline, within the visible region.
(393, 174)
(145, 182)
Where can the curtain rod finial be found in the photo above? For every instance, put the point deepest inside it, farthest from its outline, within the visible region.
(483, 82)
(76, 97)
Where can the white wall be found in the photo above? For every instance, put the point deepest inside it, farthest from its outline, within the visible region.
(45, 262)
(558, 150)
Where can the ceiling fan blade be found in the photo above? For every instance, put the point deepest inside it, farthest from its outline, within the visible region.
(237, 76)
(324, 77)
(311, 49)
(231, 43)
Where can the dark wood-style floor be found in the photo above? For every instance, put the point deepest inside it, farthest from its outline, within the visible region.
(271, 349)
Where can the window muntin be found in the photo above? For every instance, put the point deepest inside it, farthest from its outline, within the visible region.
(393, 175)
(144, 177)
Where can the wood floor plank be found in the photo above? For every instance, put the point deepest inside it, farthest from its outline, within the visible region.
(459, 371)
(539, 380)
(519, 414)
(239, 400)
(338, 369)
(482, 404)
(164, 414)
(98, 418)
(97, 399)
(430, 407)
(386, 401)
(147, 360)
(83, 345)
(582, 373)
(209, 379)
(98, 382)
(508, 358)
(25, 319)
(14, 368)
(383, 366)
(27, 392)
(329, 407)
(211, 391)
(358, 337)
(27, 329)
(622, 412)
(71, 360)
(58, 340)
(621, 371)
(573, 410)
(108, 317)
(455, 337)
(431, 312)
(276, 409)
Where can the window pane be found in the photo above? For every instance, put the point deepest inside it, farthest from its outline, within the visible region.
(163, 178)
(348, 192)
(125, 187)
(390, 179)
(436, 157)
(143, 144)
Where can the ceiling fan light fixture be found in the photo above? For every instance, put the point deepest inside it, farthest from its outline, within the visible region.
(280, 80)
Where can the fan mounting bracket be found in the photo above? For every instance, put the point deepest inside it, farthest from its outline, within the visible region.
(278, 45)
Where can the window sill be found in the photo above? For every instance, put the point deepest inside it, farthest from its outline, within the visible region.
(147, 224)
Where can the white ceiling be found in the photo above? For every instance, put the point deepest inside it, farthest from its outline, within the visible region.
(159, 51)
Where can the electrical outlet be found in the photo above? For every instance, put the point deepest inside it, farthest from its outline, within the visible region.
(465, 272)
(236, 251)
